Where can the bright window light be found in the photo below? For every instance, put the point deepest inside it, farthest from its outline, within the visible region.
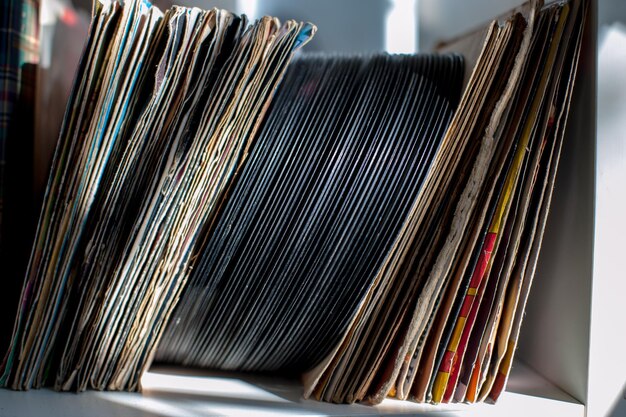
(401, 27)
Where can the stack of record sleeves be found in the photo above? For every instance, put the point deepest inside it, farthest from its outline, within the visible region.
(370, 222)
(163, 113)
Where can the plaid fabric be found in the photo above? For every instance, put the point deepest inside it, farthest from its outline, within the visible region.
(19, 46)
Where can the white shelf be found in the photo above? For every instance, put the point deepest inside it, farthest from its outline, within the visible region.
(194, 393)
(576, 285)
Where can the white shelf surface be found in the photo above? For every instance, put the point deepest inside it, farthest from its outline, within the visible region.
(193, 393)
